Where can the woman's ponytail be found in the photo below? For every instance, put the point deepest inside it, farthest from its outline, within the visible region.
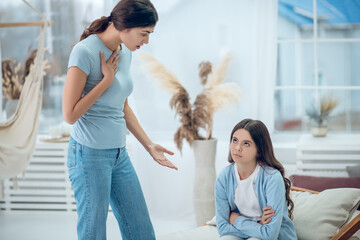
(97, 26)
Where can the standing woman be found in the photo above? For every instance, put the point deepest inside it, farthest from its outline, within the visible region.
(97, 86)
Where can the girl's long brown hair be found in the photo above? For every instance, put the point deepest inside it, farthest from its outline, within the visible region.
(126, 14)
(265, 152)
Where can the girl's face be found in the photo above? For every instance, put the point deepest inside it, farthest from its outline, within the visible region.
(242, 147)
(134, 38)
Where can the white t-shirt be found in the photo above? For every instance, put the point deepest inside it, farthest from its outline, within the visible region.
(245, 196)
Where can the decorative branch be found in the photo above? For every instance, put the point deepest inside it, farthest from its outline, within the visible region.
(10, 79)
(215, 96)
(219, 73)
(327, 105)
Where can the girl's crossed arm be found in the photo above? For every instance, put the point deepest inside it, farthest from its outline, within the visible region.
(268, 212)
(223, 210)
(275, 193)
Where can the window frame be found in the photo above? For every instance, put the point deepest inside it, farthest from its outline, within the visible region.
(316, 87)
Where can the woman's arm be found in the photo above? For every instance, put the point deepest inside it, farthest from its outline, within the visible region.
(275, 196)
(74, 106)
(156, 151)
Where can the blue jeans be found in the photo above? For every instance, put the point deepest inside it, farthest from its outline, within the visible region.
(100, 177)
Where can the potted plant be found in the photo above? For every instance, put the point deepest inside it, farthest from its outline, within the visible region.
(319, 115)
(195, 117)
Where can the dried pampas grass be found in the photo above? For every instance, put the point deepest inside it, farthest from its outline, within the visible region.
(202, 111)
(13, 79)
(199, 115)
(205, 69)
(167, 80)
(29, 64)
(219, 72)
(223, 96)
(327, 104)
(10, 77)
(181, 102)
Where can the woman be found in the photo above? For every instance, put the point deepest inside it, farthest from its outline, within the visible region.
(252, 194)
(97, 86)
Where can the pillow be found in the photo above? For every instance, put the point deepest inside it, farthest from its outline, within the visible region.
(211, 222)
(353, 171)
(320, 216)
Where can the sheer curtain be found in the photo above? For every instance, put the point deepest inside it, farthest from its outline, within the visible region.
(187, 33)
(264, 60)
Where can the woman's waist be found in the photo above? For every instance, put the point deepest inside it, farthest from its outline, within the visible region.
(106, 138)
(101, 128)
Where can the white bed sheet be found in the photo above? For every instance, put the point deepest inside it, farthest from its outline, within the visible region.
(199, 233)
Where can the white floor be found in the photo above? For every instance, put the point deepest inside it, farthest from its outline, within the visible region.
(62, 226)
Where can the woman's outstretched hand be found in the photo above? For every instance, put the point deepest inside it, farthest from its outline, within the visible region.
(267, 214)
(157, 153)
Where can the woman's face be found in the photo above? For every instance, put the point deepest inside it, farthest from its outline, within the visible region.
(134, 38)
(242, 147)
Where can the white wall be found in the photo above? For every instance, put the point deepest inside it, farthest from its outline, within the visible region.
(191, 32)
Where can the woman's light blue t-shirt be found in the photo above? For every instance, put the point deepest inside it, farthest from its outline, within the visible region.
(103, 125)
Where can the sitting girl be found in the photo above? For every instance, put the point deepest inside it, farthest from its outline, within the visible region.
(252, 193)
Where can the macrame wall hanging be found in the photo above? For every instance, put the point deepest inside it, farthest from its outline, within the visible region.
(19, 132)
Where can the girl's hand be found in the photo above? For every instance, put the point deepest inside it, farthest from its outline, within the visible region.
(267, 214)
(109, 68)
(233, 217)
(157, 153)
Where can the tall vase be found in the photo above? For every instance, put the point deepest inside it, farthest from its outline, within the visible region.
(205, 176)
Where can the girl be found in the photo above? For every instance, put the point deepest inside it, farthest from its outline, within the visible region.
(95, 100)
(252, 193)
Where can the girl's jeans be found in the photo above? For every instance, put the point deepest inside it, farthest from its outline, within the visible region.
(100, 177)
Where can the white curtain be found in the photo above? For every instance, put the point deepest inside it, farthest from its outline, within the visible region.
(264, 60)
(188, 33)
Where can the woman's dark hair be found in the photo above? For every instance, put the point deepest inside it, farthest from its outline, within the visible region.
(265, 152)
(126, 14)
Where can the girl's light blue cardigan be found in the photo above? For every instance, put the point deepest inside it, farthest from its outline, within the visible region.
(270, 188)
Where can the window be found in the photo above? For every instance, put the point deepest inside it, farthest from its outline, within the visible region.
(316, 59)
